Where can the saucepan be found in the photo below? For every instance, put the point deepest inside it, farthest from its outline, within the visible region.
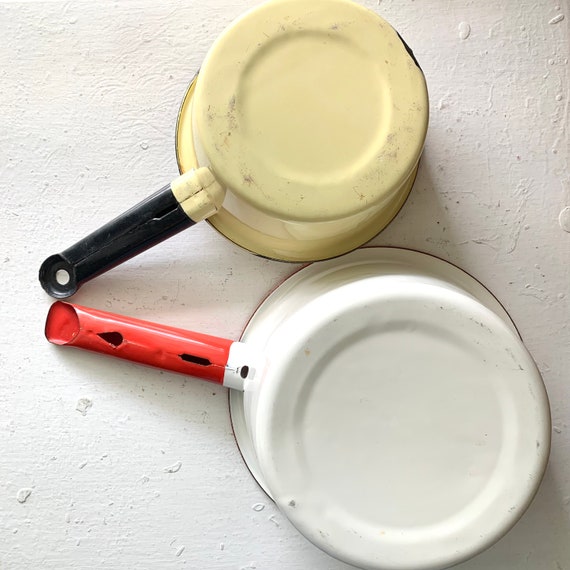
(384, 400)
(299, 140)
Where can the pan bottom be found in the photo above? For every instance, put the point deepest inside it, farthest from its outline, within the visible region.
(298, 289)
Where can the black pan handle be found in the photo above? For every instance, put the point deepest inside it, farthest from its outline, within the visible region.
(190, 198)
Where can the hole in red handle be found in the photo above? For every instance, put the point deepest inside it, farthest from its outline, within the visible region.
(62, 323)
(195, 359)
(115, 339)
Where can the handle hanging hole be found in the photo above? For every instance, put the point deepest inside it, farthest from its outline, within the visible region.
(58, 276)
(62, 276)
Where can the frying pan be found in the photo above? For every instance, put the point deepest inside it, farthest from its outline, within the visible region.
(383, 399)
(299, 140)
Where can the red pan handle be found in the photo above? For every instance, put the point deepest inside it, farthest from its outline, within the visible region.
(204, 356)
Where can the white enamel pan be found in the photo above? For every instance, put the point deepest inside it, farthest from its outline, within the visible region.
(384, 400)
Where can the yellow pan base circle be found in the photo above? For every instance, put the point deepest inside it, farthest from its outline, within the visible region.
(292, 248)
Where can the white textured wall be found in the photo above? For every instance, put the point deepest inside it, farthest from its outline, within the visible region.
(89, 93)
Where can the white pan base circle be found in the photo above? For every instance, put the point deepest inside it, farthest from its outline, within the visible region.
(400, 423)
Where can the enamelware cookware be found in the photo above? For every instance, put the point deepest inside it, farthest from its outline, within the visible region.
(384, 400)
(299, 140)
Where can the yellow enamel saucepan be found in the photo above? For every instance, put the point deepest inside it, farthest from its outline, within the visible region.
(299, 140)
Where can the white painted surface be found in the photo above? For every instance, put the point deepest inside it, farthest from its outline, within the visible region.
(148, 475)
